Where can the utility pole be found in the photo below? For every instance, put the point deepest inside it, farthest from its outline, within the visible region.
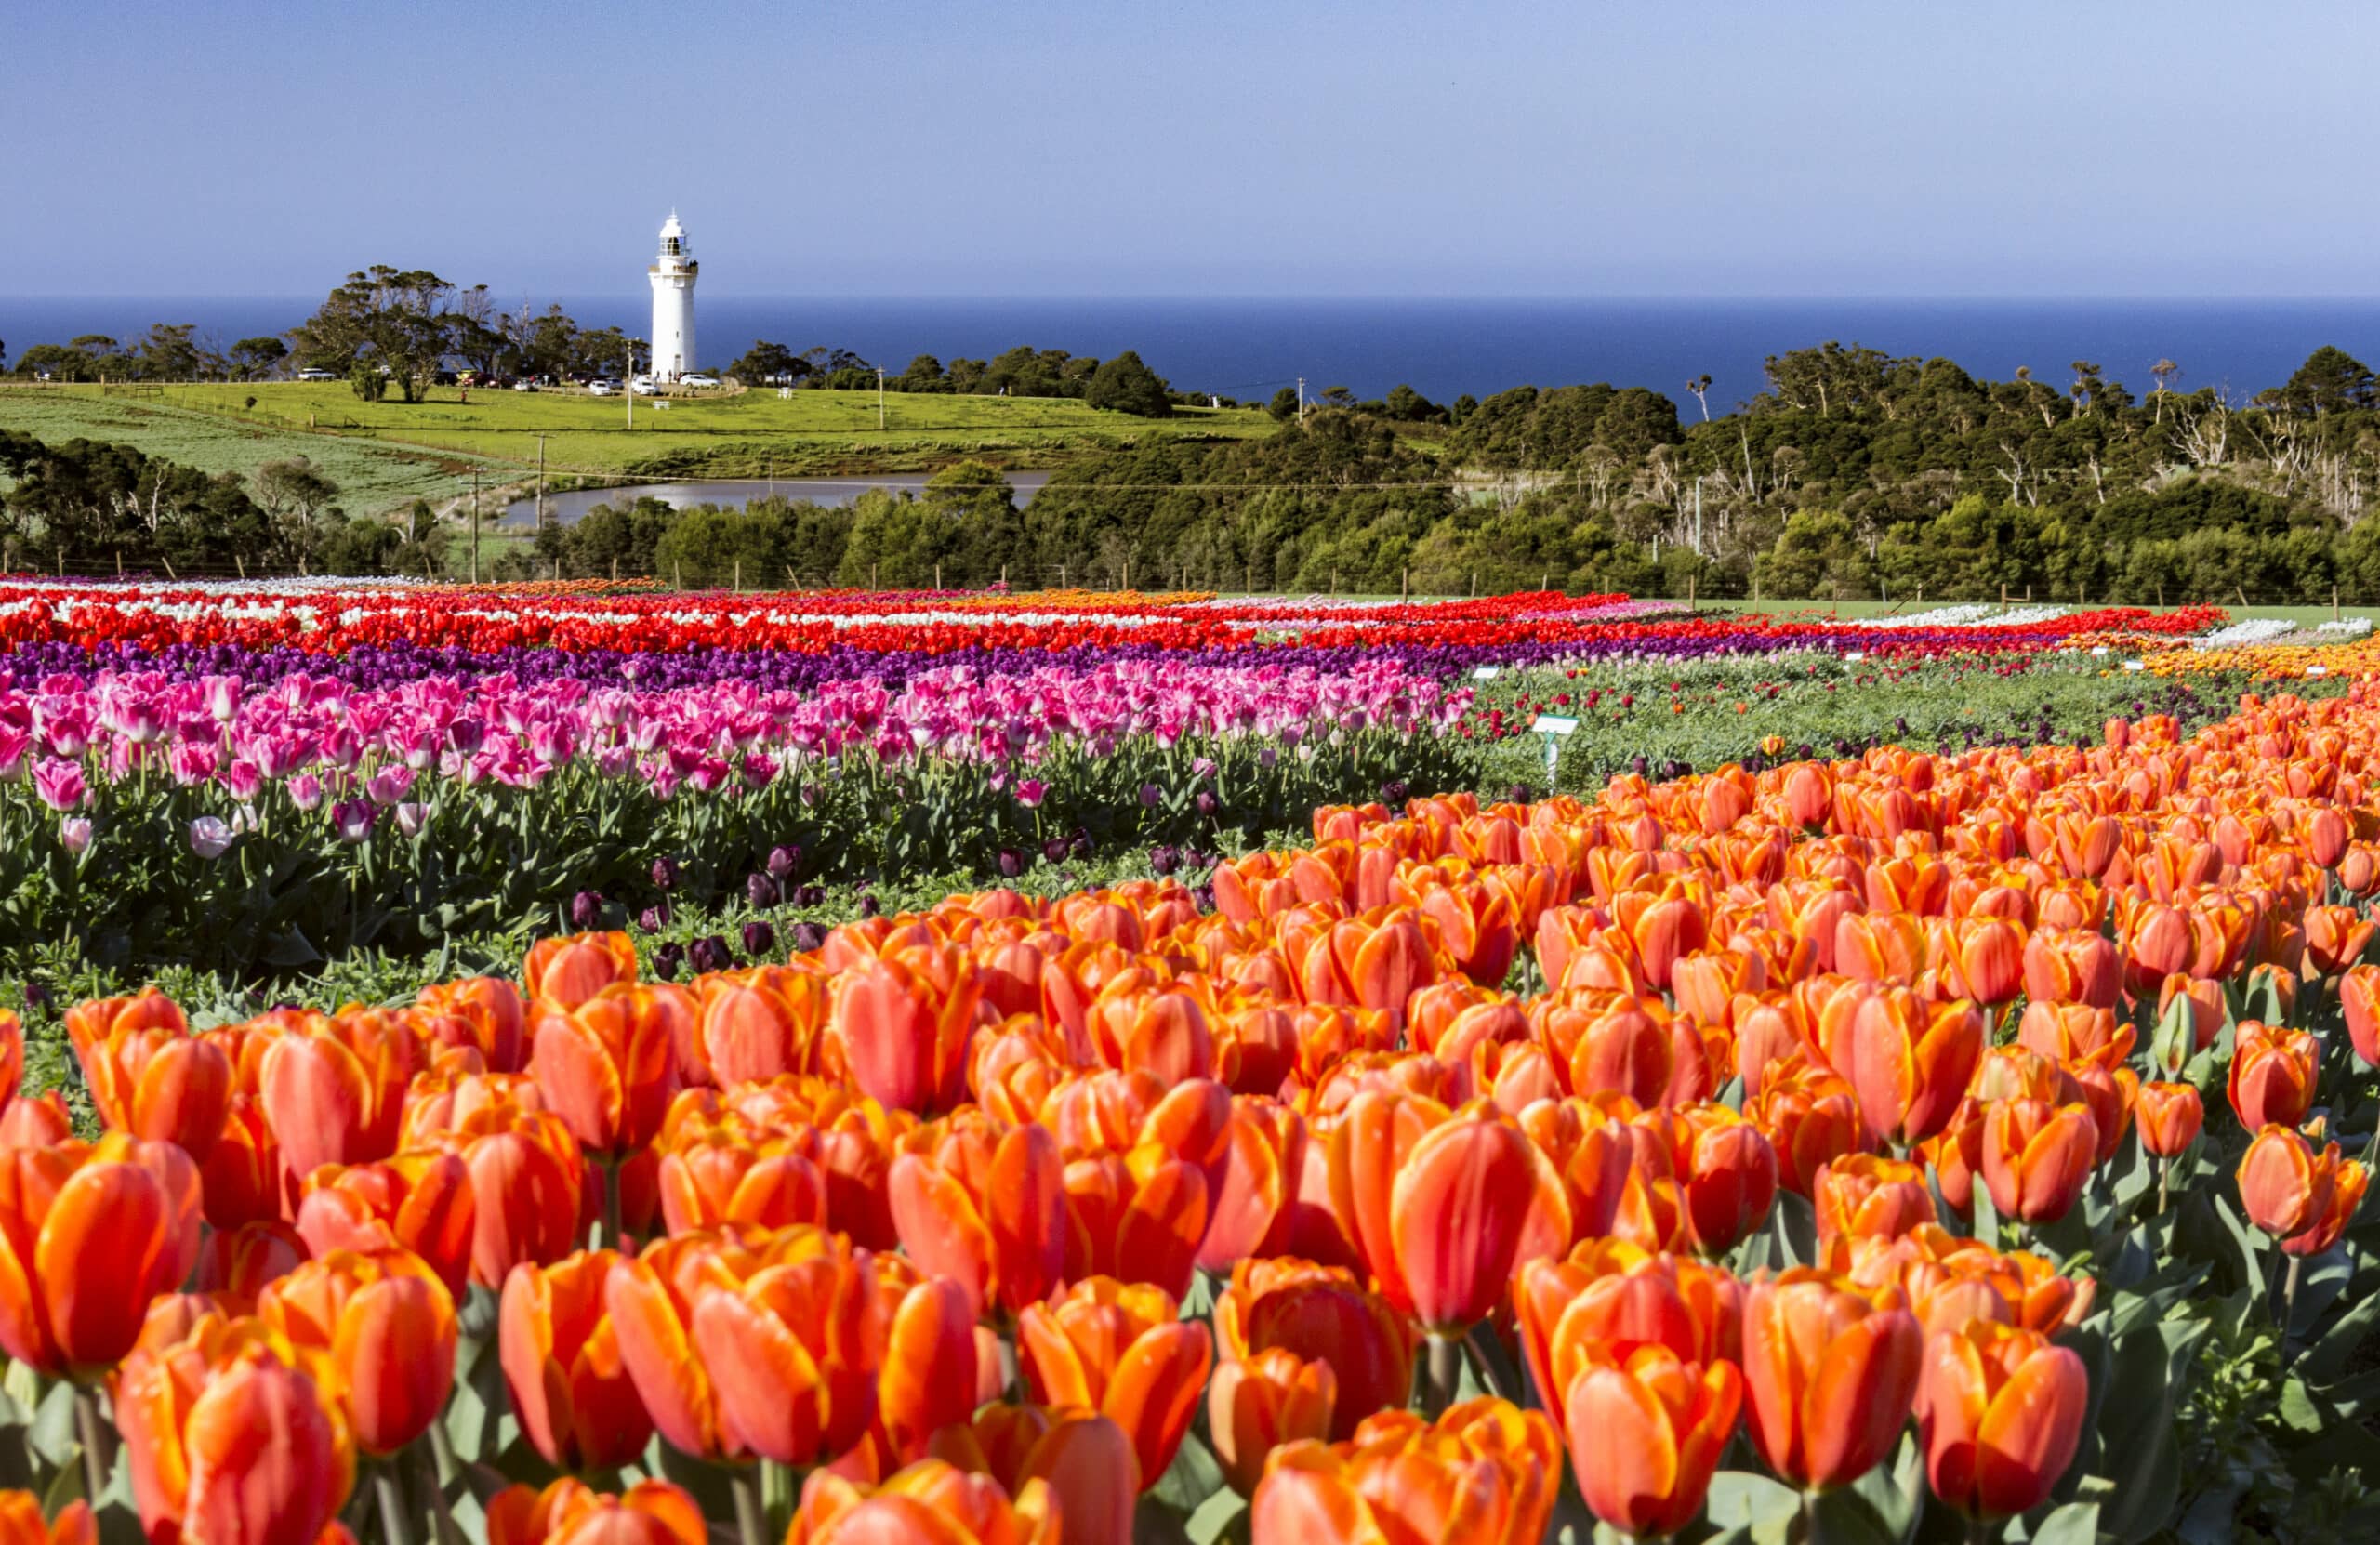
(475, 525)
(1698, 515)
(1300, 399)
(880, 399)
(541, 483)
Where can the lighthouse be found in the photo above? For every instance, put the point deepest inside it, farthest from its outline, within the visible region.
(673, 303)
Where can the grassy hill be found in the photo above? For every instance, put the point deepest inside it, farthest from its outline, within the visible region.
(395, 449)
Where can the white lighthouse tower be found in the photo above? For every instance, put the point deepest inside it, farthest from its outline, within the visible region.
(673, 275)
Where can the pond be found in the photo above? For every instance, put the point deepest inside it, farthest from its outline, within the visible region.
(568, 507)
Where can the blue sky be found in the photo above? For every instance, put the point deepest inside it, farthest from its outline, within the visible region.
(1056, 146)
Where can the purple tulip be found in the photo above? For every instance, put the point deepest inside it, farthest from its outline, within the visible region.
(807, 937)
(709, 954)
(585, 910)
(1209, 804)
(652, 919)
(664, 874)
(760, 937)
(760, 890)
(782, 861)
(1151, 796)
(1011, 863)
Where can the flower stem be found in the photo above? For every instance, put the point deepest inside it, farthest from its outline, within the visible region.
(1445, 1364)
(396, 1528)
(2164, 1181)
(751, 1525)
(430, 1472)
(92, 1434)
(2289, 1303)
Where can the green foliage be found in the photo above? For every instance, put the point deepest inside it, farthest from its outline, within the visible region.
(1125, 385)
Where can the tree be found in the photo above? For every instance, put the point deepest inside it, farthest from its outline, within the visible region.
(1700, 387)
(397, 317)
(291, 492)
(257, 358)
(923, 374)
(765, 362)
(2330, 381)
(1283, 405)
(1126, 385)
(168, 353)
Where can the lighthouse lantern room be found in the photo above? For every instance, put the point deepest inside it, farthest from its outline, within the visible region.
(673, 273)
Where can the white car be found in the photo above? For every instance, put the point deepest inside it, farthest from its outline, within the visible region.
(600, 388)
(698, 380)
(317, 373)
(525, 384)
(643, 386)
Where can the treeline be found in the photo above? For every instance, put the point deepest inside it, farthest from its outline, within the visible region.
(1122, 383)
(94, 507)
(1851, 477)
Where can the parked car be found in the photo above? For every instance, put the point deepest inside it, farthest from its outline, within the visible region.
(317, 373)
(643, 386)
(698, 379)
(602, 388)
(525, 384)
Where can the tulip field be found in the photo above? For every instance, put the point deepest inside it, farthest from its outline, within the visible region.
(1060, 1069)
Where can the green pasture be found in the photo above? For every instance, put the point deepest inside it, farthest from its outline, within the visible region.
(724, 435)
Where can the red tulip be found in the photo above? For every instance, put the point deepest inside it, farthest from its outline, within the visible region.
(1831, 1374)
(1999, 1414)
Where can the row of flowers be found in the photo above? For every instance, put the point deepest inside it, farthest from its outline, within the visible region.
(485, 619)
(1021, 1220)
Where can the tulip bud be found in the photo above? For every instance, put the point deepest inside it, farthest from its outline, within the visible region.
(585, 910)
(760, 889)
(784, 859)
(760, 937)
(1256, 1404)
(807, 937)
(665, 873)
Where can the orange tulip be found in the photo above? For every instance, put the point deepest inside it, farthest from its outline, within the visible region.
(607, 1066)
(1999, 1414)
(2272, 1075)
(2170, 1116)
(88, 1234)
(2064, 965)
(100, 1020)
(1910, 1063)
(243, 1179)
(901, 1026)
(1646, 1435)
(388, 1328)
(1254, 1210)
(420, 1202)
(527, 1183)
(1467, 1202)
(2360, 1000)
(568, 972)
(576, 1404)
(1610, 1299)
(721, 1173)
(2349, 1182)
(483, 1012)
(1728, 1171)
(1863, 1197)
(990, 1213)
(1809, 1120)
(36, 1121)
(569, 1513)
(2336, 938)
(1083, 1458)
(20, 1522)
(1119, 1349)
(2285, 1186)
(1256, 1404)
(333, 1089)
(649, 1298)
(237, 1449)
(929, 1360)
(784, 1348)
(931, 1500)
(1832, 1373)
(160, 1084)
(1320, 1314)
(761, 1024)
(1992, 955)
(2037, 1157)
(1484, 1471)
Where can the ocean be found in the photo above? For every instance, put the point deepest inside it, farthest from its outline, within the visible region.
(1247, 348)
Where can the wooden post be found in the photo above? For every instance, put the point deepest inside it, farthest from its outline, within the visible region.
(2335, 600)
(2029, 593)
(616, 568)
(739, 573)
(2004, 597)
(2242, 592)
(170, 575)
(678, 574)
(119, 562)
(1003, 576)
(237, 561)
(1127, 573)
(1404, 586)
(1690, 594)
(1474, 584)
(937, 573)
